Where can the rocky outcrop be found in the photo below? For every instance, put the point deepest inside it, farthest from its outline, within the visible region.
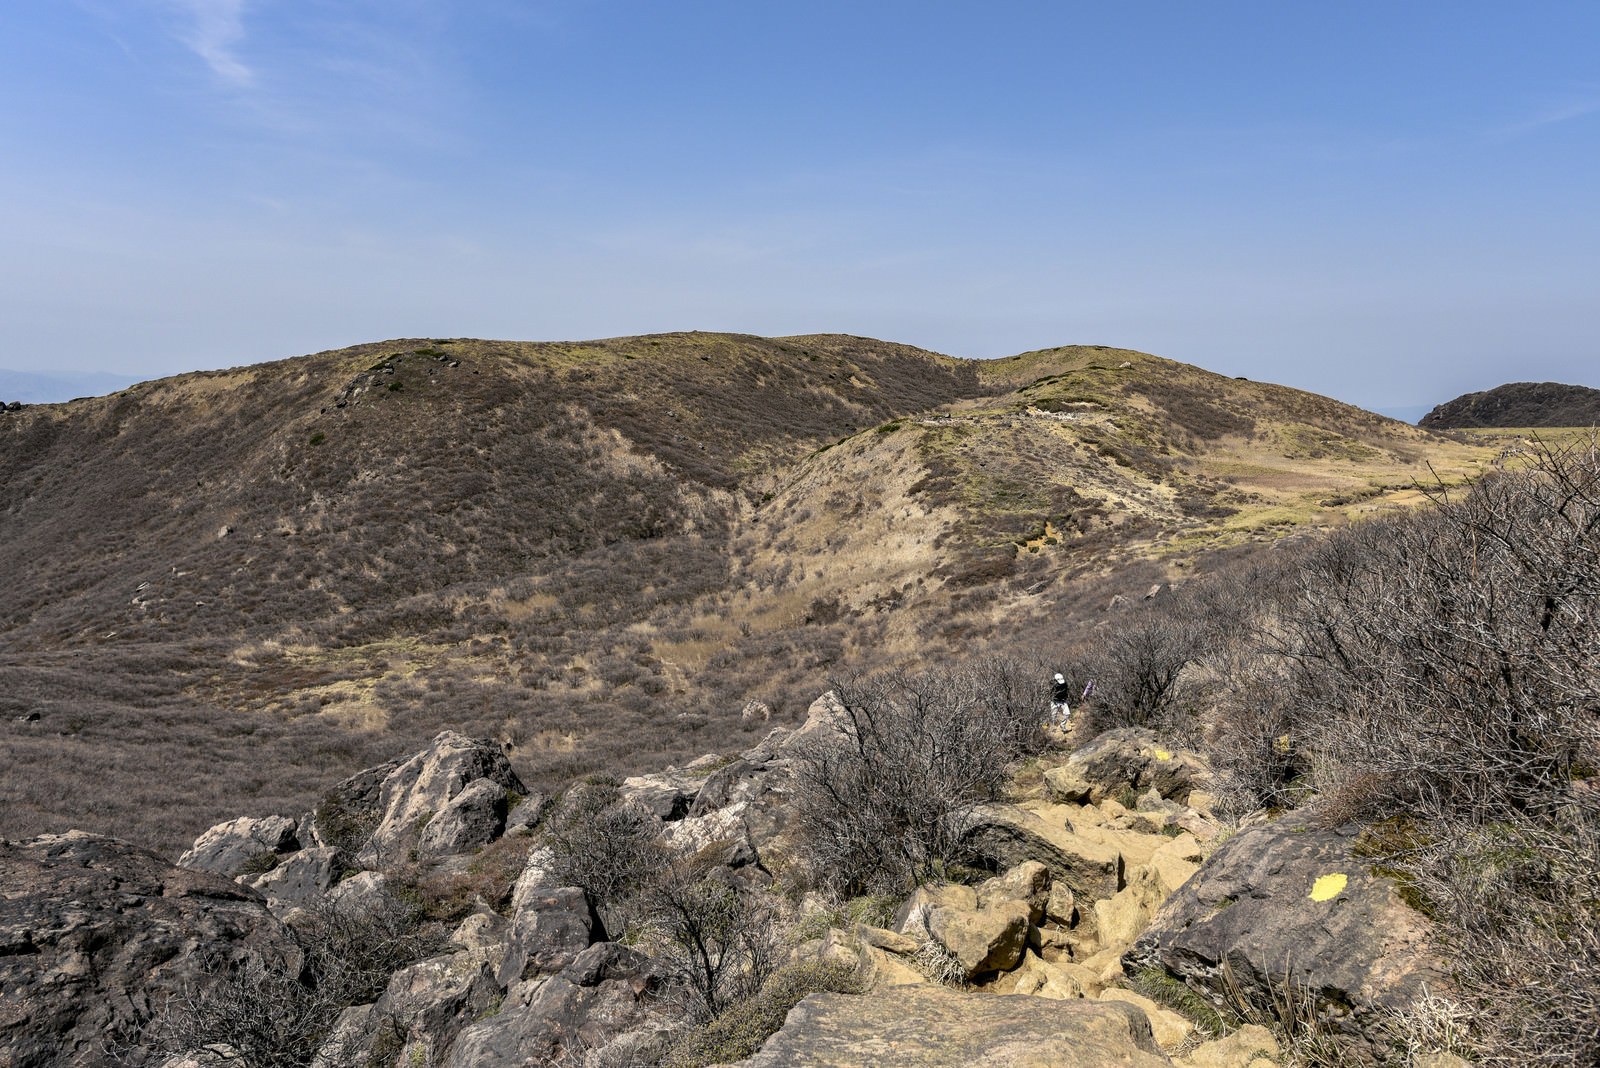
(300, 877)
(1284, 909)
(1008, 835)
(230, 847)
(1129, 759)
(96, 934)
(472, 818)
(667, 795)
(429, 1003)
(551, 928)
(912, 1027)
(1518, 404)
(423, 787)
(1083, 895)
(607, 996)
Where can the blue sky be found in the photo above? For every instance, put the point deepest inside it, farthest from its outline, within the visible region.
(1391, 203)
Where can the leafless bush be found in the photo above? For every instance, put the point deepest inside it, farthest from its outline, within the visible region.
(874, 799)
(1454, 655)
(1160, 666)
(277, 1011)
(1254, 744)
(721, 937)
(603, 843)
(1446, 665)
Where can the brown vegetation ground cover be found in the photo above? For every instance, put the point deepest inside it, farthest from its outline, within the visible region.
(227, 588)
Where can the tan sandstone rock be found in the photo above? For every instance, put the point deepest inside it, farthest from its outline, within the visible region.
(1169, 1028)
(923, 1027)
(1242, 1049)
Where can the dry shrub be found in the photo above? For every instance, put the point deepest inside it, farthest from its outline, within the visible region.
(721, 937)
(1456, 652)
(1446, 665)
(602, 843)
(277, 1012)
(874, 798)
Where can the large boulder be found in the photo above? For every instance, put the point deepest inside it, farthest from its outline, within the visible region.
(984, 940)
(300, 877)
(920, 1027)
(232, 846)
(606, 996)
(666, 794)
(96, 934)
(1007, 836)
(349, 812)
(472, 818)
(1129, 759)
(430, 1002)
(725, 827)
(1285, 910)
(550, 928)
(422, 787)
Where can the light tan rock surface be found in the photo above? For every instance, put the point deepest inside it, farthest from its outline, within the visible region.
(922, 1027)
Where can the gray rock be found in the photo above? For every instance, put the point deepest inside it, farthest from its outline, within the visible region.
(1129, 758)
(419, 789)
(351, 811)
(922, 1027)
(473, 818)
(1286, 907)
(300, 877)
(606, 994)
(432, 1001)
(550, 928)
(526, 816)
(723, 827)
(229, 847)
(664, 795)
(489, 934)
(743, 780)
(538, 875)
(96, 935)
(364, 893)
(351, 1033)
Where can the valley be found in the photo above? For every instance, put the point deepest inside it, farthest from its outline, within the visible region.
(226, 588)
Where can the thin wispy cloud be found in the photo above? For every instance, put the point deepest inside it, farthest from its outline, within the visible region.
(215, 30)
(1555, 114)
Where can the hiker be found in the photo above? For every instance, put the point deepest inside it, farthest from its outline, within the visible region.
(1060, 694)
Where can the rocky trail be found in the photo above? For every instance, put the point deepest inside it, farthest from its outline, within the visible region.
(1116, 899)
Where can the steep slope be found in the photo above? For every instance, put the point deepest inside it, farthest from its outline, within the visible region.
(237, 584)
(1519, 404)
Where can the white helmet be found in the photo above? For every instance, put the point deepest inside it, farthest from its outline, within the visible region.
(1060, 677)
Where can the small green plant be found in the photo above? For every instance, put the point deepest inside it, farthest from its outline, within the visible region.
(259, 864)
(874, 910)
(318, 438)
(741, 1030)
(1164, 989)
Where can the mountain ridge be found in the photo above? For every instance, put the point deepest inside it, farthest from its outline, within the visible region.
(255, 579)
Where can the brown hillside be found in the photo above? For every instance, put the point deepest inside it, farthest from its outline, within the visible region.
(227, 587)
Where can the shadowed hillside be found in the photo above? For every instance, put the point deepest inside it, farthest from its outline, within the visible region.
(1518, 404)
(227, 587)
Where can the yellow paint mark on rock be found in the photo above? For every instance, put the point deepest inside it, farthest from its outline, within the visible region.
(1162, 754)
(1328, 886)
